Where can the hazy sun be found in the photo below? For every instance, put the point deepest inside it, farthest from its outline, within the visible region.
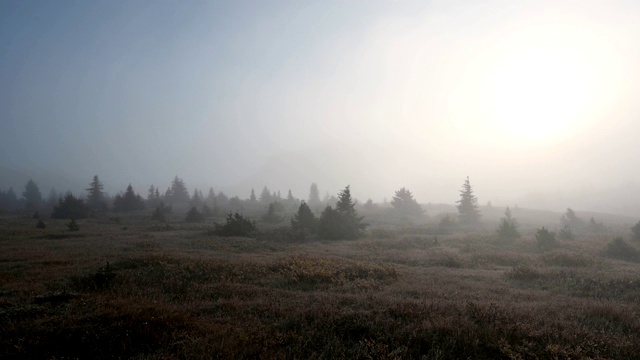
(541, 92)
(537, 85)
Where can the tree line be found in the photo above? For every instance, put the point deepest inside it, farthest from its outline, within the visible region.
(336, 215)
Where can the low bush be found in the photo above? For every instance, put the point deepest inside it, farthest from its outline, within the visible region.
(619, 249)
(236, 225)
(545, 239)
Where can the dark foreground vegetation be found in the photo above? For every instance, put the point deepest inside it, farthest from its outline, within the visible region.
(127, 287)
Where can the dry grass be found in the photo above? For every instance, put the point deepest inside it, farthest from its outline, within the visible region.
(156, 291)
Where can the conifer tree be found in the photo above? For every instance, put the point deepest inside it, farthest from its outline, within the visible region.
(32, 195)
(211, 197)
(304, 219)
(468, 211)
(178, 192)
(314, 195)
(343, 222)
(404, 203)
(9, 199)
(265, 196)
(70, 207)
(129, 201)
(508, 228)
(52, 198)
(273, 213)
(95, 197)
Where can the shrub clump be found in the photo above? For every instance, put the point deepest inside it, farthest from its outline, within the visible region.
(546, 239)
(619, 249)
(236, 225)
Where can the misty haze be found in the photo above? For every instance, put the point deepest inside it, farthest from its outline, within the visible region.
(329, 179)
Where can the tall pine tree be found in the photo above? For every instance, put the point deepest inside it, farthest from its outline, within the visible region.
(95, 197)
(468, 212)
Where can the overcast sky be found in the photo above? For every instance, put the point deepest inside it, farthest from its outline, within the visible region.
(534, 100)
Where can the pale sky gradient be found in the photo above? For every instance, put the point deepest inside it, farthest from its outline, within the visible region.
(536, 101)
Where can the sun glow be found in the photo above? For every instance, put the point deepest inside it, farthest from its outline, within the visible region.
(541, 93)
(538, 85)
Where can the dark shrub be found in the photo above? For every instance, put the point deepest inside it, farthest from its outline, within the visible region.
(236, 225)
(70, 207)
(546, 239)
(619, 249)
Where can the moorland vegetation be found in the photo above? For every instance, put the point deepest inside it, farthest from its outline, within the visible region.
(194, 276)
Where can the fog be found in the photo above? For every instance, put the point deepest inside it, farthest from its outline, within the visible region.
(535, 101)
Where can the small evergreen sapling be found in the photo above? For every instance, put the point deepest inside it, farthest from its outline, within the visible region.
(508, 228)
(194, 216)
(73, 225)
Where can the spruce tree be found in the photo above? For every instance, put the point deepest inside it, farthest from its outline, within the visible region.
(265, 196)
(128, 201)
(95, 197)
(273, 213)
(32, 195)
(314, 195)
(343, 222)
(508, 228)
(70, 207)
(178, 192)
(404, 203)
(468, 211)
(304, 219)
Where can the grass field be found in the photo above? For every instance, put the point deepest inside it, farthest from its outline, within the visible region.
(122, 288)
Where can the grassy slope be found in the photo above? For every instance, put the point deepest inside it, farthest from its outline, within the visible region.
(140, 290)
